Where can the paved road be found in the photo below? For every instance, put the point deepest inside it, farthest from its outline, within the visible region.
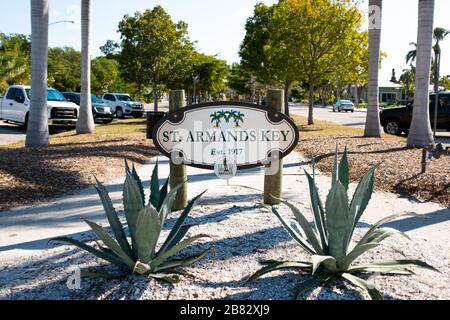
(10, 133)
(354, 120)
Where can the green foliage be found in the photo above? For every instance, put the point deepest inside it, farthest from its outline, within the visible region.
(145, 219)
(64, 69)
(15, 60)
(329, 241)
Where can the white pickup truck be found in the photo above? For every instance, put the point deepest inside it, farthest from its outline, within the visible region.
(122, 105)
(15, 106)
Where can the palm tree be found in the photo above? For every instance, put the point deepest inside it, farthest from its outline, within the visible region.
(216, 117)
(373, 125)
(420, 133)
(37, 131)
(85, 122)
(439, 34)
(412, 54)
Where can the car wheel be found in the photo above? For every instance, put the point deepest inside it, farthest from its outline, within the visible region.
(392, 127)
(25, 124)
(119, 113)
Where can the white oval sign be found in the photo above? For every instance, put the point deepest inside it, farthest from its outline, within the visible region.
(249, 135)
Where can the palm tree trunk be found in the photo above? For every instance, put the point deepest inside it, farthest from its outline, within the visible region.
(85, 122)
(420, 133)
(357, 96)
(287, 88)
(311, 102)
(373, 125)
(37, 132)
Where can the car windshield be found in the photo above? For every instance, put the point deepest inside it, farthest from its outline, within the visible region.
(346, 102)
(123, 97)
(95, 99)
(52, 95)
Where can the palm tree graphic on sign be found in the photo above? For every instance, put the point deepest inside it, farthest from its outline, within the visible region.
(237, 116)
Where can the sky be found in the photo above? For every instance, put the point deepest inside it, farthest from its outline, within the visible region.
(218, 26)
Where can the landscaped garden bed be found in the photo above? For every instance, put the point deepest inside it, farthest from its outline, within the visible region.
(399, 168)
(29, 176)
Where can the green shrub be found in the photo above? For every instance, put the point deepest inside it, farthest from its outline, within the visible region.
(329, 242)
(145, 222)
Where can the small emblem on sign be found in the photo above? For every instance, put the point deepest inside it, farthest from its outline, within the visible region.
(225, 168)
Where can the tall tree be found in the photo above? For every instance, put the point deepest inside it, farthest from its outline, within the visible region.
(15, 59)
(37, 131)
(315, 38)
(373, 125)
(420, 133)
(150, 42)
(85, 122)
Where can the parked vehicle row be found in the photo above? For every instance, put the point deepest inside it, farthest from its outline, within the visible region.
(344, 105)
(398, 120)
(63, 108)
(15, 107)
(123, 105)
(101, 111)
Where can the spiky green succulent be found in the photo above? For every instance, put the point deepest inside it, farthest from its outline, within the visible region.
(329, 243)
(145, 221)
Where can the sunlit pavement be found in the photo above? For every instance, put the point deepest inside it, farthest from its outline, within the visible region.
(353, 120)
(10, 133)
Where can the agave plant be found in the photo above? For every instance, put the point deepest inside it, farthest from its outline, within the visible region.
(145, 222)
(329, 243)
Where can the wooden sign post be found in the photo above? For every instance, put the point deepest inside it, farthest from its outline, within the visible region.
(178, 172)
(273, 178)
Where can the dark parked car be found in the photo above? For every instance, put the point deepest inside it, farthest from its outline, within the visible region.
(398, 120)
(101, 111)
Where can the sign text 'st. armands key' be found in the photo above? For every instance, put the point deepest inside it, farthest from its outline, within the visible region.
(246, 135)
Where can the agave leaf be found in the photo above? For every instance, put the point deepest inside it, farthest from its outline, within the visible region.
(132, 202)
(280, 265)
(170, 278)
(329, 263)
(113, 219)
(378, 235)
(183, 262)
(371, 290)
(141, 268)
(167, 204)
(174, 233)
(335, 172)
(313, 281)
(387, 220)
(381, 269)
(162, 195)
(162, 257)
(138, 180)
(101, 254)
(111, 243)
(404, 263)
(343, 170)
(318, 211)
(339, 222)
(155, 193)
(177, 238)
(346, 261)
(148, 230)
(297, 237)
(305, 226)
(362, 196)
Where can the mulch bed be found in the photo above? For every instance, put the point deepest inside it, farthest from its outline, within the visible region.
(32, 176)
(399, 170)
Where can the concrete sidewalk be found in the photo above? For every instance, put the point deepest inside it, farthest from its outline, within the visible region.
(26, 231)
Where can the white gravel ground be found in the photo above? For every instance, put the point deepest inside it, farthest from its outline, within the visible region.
(242, 234)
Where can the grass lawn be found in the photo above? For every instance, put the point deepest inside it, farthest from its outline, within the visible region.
(70, 162)
(399, 167)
